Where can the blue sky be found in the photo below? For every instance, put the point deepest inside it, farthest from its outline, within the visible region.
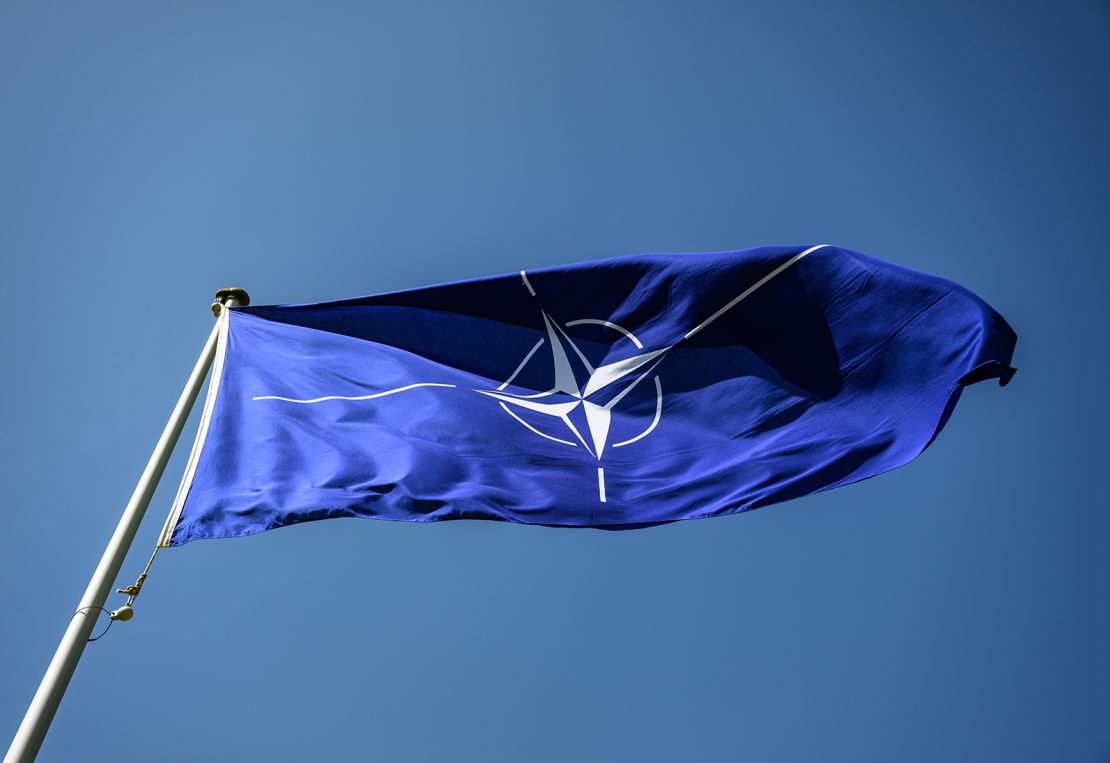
(955, 609)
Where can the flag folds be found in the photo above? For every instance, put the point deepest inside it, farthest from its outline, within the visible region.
(617, 394)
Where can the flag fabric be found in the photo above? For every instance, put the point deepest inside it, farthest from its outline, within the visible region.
(616, 394)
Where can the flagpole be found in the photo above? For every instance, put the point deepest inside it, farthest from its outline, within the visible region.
(41, 712)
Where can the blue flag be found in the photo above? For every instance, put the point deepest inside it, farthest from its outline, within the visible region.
(615, 394)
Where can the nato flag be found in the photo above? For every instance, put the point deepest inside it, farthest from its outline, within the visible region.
(615, 394)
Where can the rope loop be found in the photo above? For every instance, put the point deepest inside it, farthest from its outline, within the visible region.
(93, 606)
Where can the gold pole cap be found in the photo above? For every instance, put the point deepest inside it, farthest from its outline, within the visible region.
(242, 299)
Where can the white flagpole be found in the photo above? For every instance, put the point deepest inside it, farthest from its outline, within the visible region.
(36, 722)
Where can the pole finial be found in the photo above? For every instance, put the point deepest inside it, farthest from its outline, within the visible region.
(238, 297)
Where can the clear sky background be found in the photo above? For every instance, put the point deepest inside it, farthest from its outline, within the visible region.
(957, 609)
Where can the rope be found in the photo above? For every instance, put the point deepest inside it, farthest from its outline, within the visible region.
(142, 576)
(133, 590)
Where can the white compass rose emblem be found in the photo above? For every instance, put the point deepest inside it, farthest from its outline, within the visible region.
(610, 383)
(590, 400)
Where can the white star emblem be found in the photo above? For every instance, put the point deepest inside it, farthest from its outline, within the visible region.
(631, 371)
